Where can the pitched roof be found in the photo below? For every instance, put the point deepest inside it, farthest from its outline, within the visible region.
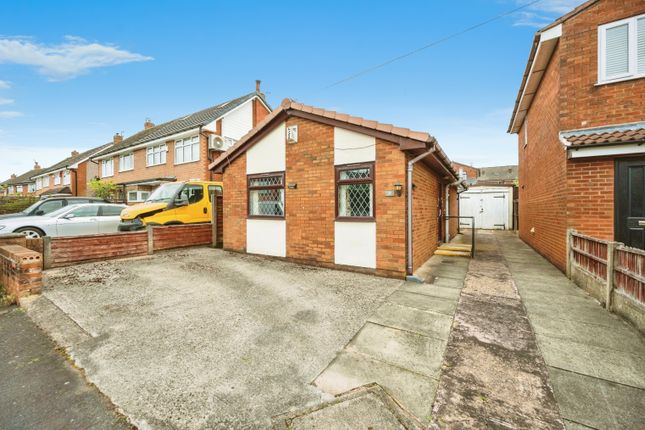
(25, 178)
(497, 173)
(70, 161)
(636, 135)
(183, 123)
(406, 138)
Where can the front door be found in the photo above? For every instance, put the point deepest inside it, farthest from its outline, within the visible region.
(630, 202)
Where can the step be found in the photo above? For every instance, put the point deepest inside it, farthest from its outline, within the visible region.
(452, 253)
(456, 247)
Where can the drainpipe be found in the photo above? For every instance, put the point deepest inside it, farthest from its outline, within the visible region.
(409, 171)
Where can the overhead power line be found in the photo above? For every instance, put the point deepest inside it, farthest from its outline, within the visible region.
(429, 45)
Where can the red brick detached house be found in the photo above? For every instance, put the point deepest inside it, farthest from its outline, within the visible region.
(580, 121)
(328, 189)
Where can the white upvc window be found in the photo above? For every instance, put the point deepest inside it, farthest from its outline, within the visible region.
(156, 155)
(138, 196)
(621, 50)
(126, 162)
(57, 179)
(67, 177)
(187, 150)
(18, 188)
(31, 187)
(107, 168)
(39, 183)
(45, 181)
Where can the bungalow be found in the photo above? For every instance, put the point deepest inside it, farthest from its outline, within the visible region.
(329, 189)
(21, 185)
(179, 149)
(580, 121)
(69, 176)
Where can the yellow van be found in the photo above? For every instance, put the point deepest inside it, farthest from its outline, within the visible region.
(173, 203)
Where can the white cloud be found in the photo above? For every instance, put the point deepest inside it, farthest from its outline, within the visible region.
(9, 114)
(543, 12)
(4, 101)
(5, 85)
(74, 57)
(20, 159)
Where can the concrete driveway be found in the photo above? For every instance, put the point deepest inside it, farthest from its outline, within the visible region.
(204, 338)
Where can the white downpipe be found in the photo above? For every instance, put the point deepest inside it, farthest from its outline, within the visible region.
(409, 192)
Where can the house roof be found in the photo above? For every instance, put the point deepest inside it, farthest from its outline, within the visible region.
(25, 178)
(497, 173)
(606, 135)
(183, 123)
(70, 161)
(544, 43)
(406, 138)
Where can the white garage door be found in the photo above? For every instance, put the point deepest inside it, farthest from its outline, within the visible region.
(491, 206)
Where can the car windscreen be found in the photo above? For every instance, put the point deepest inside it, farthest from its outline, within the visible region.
(58, 211)
(165, 193)
(31, 208)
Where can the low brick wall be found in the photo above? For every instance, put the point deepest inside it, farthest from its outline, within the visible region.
(179, 236)
(20, 271)
(70, 250)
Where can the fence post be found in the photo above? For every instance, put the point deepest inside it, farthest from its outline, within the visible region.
(47, 252)
(151, 240)
(569, 251)
(611, 248)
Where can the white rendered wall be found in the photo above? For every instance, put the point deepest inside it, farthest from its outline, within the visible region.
(239, 121)
(351, 147)
(355, 244)
(269, 154)
(267, 237)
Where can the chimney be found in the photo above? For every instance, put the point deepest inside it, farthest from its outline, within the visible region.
(148, 124)
(74, 153)
(36, 165)
(13, 176)
(257, 85)
(118, 138)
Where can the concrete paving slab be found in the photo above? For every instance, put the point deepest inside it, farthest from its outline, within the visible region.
(411, 351)
(449, 282)
(603, 363)
(349, 370)
(424, 302)
(597, 403)
(588, 312)
(431, 290)
(402, 317)
(548, 294)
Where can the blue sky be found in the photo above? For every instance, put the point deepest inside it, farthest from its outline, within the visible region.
(74, 73)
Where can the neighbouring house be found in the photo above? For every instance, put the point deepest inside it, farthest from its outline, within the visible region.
(580, 121)
(69, 176)
(329, 189)
(491, 198)
(180, 149)
(21, 185)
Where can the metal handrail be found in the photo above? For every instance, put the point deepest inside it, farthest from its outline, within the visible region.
(472, 237)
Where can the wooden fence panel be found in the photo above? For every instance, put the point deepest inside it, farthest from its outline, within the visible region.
(629, 272)
(590, 254)
(76, 249)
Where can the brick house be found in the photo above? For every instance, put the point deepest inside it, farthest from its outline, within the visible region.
(580, 121)
(21, 185)
(328, 189)
(180, 149)
(68, 176)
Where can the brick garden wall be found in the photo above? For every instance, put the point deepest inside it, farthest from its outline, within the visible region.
(71, 250)
(20, 271)
(179, 236)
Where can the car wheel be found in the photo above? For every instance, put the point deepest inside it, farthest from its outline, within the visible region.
(31, 232)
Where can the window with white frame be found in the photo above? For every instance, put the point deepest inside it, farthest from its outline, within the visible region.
(138, 196)
(187, 150)
(56, 178)
(18, 188)
(31, 187)
(67, 177)
(39, 183)
(621, 50)
(107, 168)
(156, 154)
(45, 181)
(126, 162)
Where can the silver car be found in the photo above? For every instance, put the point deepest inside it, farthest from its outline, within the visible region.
(76, 220)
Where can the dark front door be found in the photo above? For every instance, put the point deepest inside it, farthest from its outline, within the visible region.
(630, 202)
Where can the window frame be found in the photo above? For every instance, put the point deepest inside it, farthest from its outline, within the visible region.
(46, 181)
(632, 50)
(67, 177)
(103, 164)
(183, 143)
(249, 188)
(371, 180)
(122, 157)
(163, 149)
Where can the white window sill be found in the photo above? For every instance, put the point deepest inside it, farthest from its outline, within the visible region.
(126, 170)
(106, 176)
(613, 81)
(155, 165)
(186, 162)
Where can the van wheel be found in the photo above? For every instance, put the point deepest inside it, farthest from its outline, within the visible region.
(31, 232)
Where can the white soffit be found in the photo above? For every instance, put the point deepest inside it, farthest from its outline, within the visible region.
(603, 151)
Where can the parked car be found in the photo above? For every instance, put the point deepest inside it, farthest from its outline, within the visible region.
(51, 204)
(173, 203)
(72, 220)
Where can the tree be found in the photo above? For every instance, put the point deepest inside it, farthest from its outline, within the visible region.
(102, 189)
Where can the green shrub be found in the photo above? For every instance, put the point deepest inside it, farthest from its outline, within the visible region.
(9, 205)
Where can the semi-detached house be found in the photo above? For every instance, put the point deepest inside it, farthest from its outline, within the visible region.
(180, 149)
(20, 185)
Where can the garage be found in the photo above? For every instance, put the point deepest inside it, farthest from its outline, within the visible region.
(491, 207)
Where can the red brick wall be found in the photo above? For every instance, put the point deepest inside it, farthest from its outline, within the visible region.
(590, 197)
(70, 250)
(259, 112)
(583, 103)
(310, 208)
(425, 213)
(542, 173)
(20, 271)
(454, 211)
(469, 170)
(235, 205)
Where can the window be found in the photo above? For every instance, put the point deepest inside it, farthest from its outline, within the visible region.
(126, 162)
(266, 195)
(19, 188)
(57, 179)
(156, 155)
(621, 50)
(187, 150)
(192, 193)
(49, 206)
(107, 168)
(67, 179)
(111, 210)
(85, 211)
(355, 191)
(138, 196)
(45, 181)
(31, 187)
(39, 183)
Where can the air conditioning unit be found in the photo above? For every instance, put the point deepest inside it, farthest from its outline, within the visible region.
(215, 142)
